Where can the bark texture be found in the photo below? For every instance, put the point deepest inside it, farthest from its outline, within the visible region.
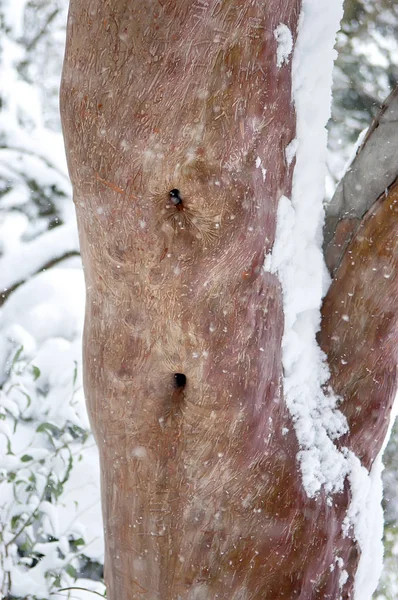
(360, 328)
(202, 497)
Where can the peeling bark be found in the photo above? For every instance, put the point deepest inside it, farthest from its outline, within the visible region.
(201, 492)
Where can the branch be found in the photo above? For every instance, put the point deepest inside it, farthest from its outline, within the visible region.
(371, 173)
(34, 154)
(51, 263)
(360, 328)
(31, 257)
(78, 588)
(42, 31)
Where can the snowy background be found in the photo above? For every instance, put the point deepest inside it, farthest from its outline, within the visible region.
(50, 518)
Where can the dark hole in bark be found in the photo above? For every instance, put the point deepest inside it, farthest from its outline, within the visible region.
(180, 380)
(175, 196)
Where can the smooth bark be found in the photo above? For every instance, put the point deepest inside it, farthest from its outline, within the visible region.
(360, 328)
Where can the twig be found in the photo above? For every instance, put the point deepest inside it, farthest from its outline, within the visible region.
(77, 588)
(29, 152)
(6, 293)
(50, 19)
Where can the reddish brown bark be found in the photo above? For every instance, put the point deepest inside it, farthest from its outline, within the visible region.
(360, 328)
(202, 497)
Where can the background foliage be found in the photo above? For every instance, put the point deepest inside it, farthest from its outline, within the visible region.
(50, 521)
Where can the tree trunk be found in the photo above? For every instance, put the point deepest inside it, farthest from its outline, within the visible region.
(170, 110)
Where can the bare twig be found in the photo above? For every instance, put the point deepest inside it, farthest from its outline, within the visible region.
(45, 160)
(39, 35)
(67, 589)
(51, 263)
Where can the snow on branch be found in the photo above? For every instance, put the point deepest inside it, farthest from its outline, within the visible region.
(29, 258)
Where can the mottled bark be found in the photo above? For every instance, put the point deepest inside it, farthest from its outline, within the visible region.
(202, 497)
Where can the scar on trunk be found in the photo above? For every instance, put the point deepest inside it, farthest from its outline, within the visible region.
(186, 210)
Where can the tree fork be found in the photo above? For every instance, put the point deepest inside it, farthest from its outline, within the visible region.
(171, 113)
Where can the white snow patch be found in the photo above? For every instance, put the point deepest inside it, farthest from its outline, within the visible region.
(26, 258)
(317, 420)
(365, 517)
(48, 305)
(343, 578)
(13, 14)
(45, 316)
(267, 266)
(284, 38)
(259, 166)
(339, 562)
(290, 151)
(297, 254)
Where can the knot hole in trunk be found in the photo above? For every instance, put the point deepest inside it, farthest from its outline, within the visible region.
(180, 380)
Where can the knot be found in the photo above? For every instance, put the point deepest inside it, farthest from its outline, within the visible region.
(180, 380)
(175, 197)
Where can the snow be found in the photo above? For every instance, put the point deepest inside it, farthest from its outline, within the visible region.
(316, 416)
(25, 259)
(284, 38)
(13, 11)
(48, 305)
(365, 516)
(298, 260)
(290, 151)
(373, 53)
(44, 318)
(49, 472)
(259, 165)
